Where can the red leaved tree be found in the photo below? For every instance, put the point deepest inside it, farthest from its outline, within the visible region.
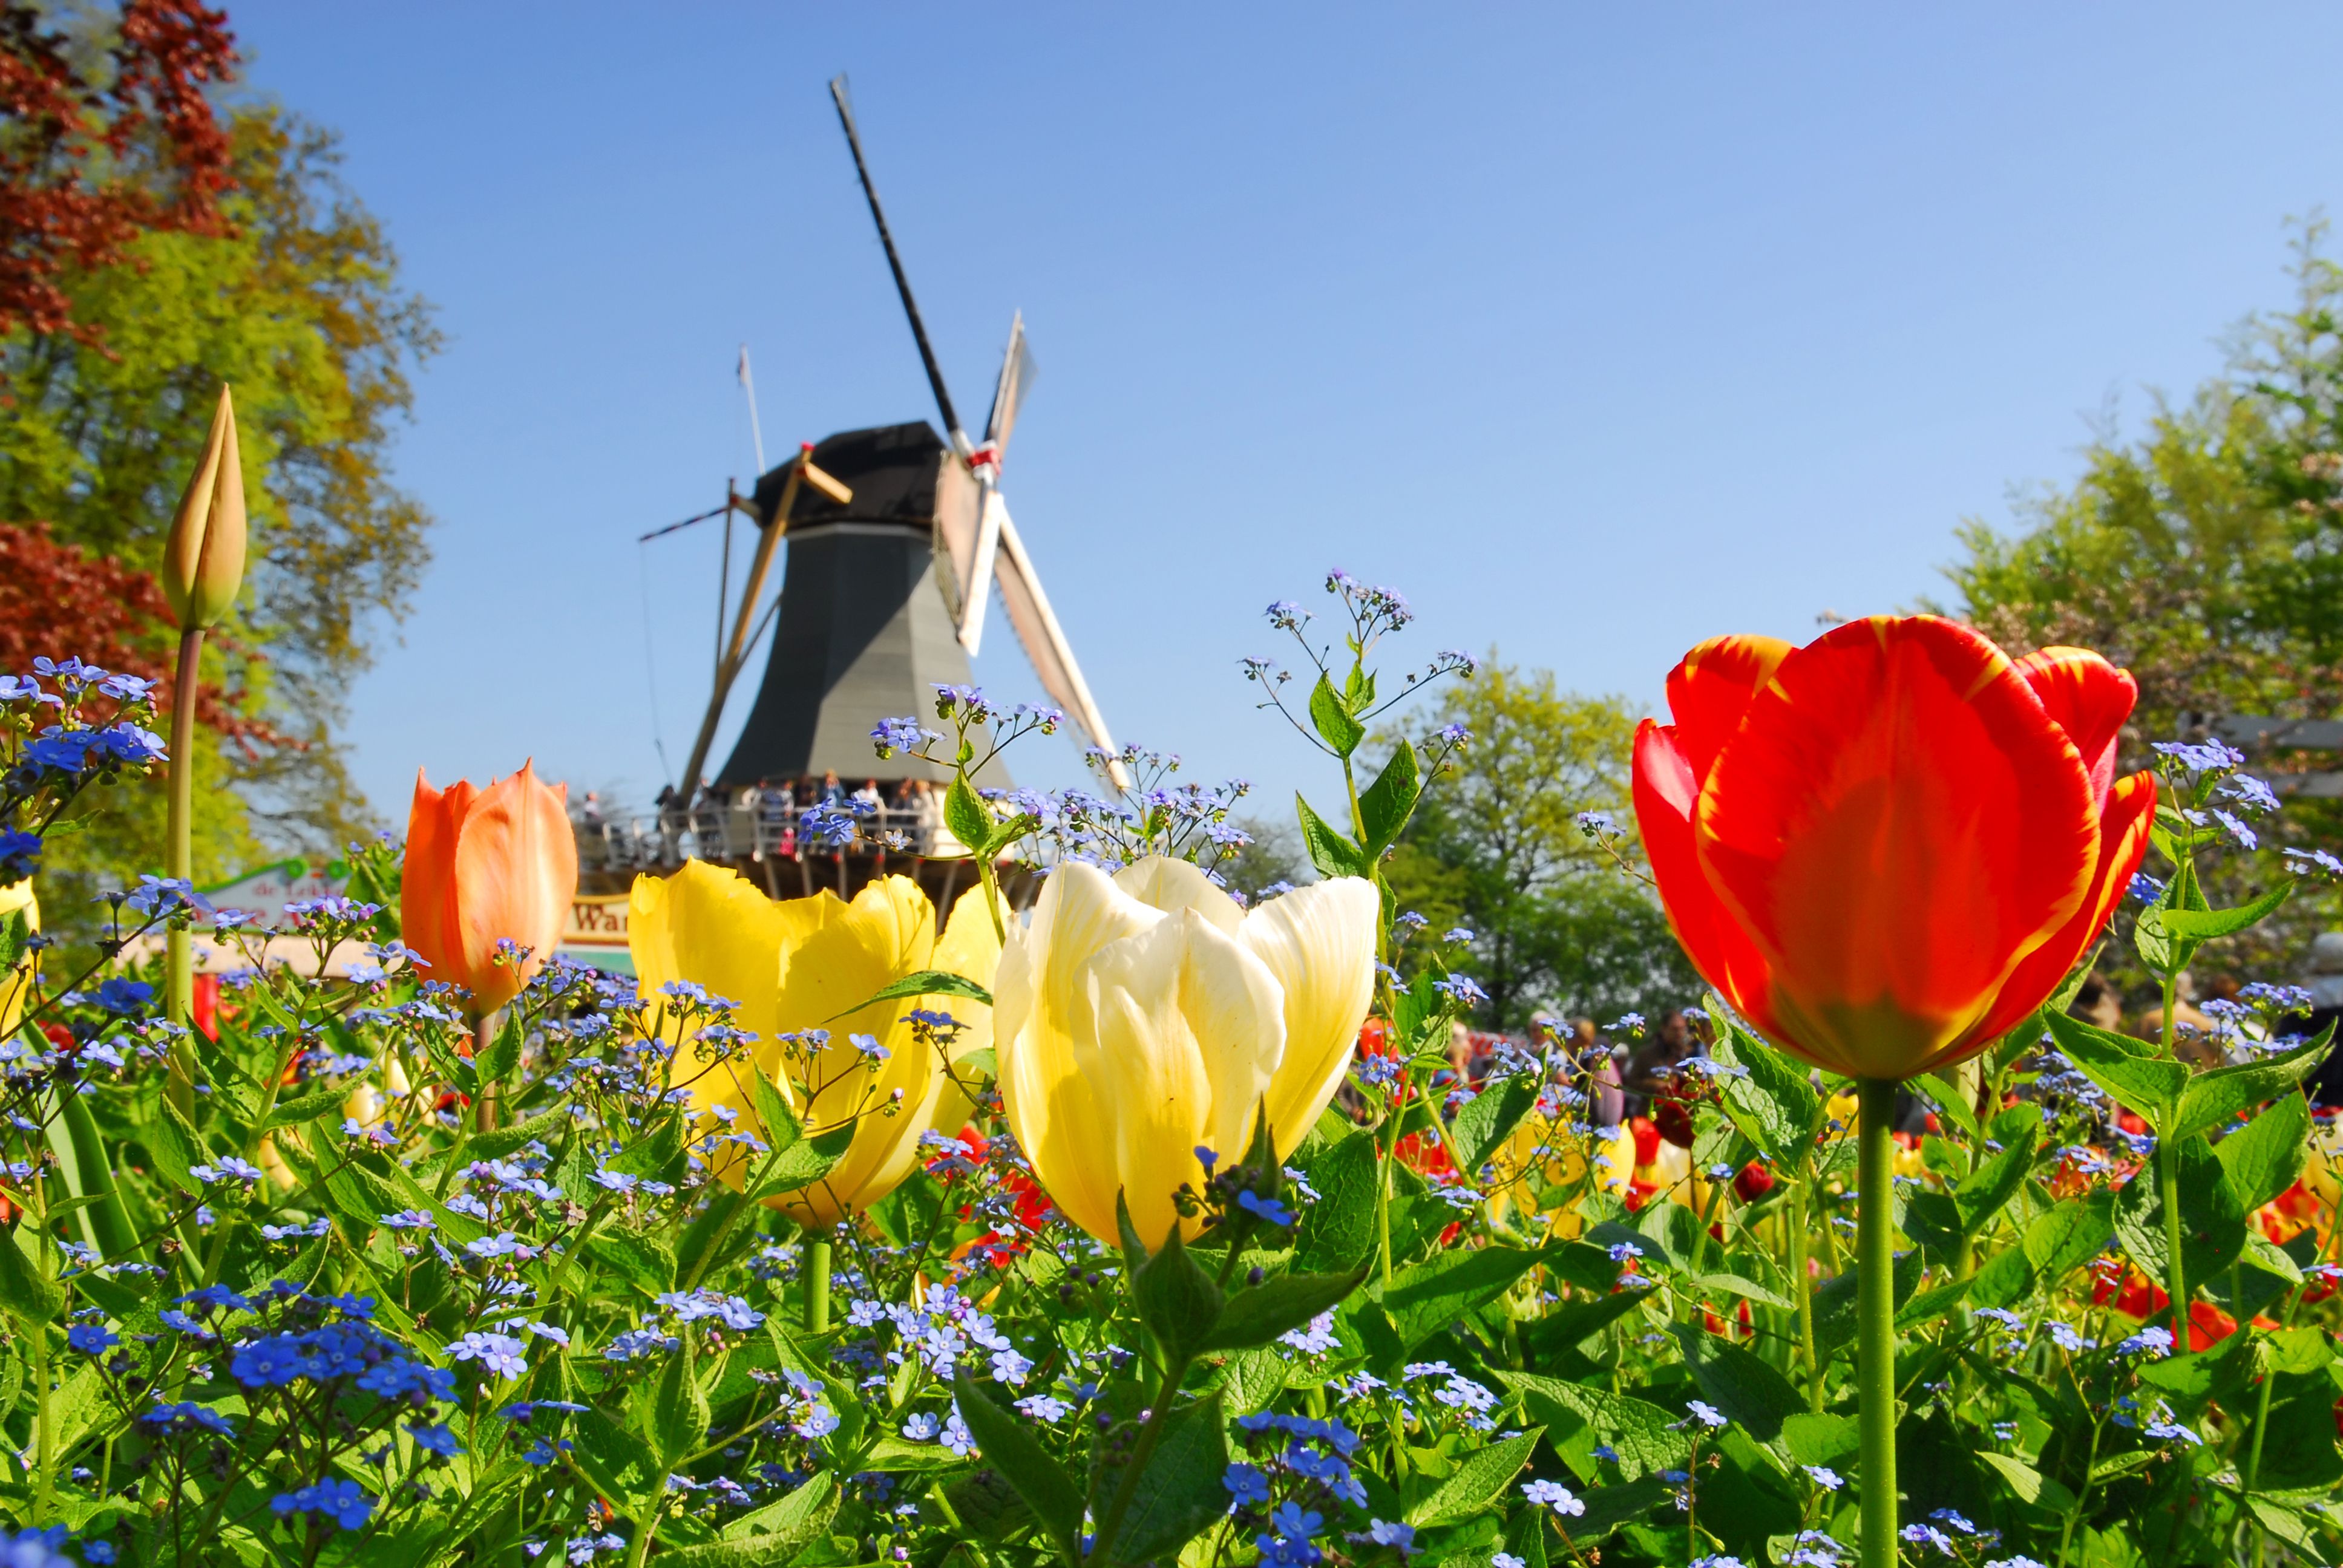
(91, 158)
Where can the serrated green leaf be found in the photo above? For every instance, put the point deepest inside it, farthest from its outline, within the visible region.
(1385, 805)
(306, 1107)
(1769, 1100)
(1425, 1298)
(643, 1262)
(1337, 1230)
(2070, 1234)
(1738, 1382)
(1333, 721)
(926, 982)
(499, 1141)
(679, 1415)
(1478, 1477)
(1989, 1187)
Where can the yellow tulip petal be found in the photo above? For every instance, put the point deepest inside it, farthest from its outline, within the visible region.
(1162, 883)
(1320, 943)
(1190, 1028)
(1043, 1032)
(971, 948)
(711, 927)
(17, 981)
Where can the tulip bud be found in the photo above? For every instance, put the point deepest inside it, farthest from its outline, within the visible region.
(203, 560)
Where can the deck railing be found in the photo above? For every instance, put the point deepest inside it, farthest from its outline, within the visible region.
(766, 827)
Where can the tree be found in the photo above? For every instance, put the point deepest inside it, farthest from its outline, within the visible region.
(296, 300)
(2206, 556)
(1496, 849)
(100, 145)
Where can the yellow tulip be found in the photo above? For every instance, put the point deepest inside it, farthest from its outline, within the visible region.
(1147, 1014)
(1542, 1153)
(17, 981)
(2320, 1171)
(801, 964)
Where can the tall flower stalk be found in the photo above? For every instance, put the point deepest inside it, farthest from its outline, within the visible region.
(202, 571)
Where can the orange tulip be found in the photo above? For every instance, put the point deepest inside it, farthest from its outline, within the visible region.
(1888, 848)
(485, 866)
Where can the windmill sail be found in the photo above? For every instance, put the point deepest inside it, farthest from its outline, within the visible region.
(1045, 640)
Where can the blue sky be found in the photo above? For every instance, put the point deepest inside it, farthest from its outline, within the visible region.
(1596, 330)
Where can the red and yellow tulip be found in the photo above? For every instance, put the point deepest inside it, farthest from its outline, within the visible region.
(486, 866)
(1886, 847)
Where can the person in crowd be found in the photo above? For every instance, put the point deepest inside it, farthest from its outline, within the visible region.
(867, 799)
(1607, 1102)
(832, 793)
(1651, 1066)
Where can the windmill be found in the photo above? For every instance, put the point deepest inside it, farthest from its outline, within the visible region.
(978, 546)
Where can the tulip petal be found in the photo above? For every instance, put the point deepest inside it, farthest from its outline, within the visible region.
(1161, 882)
(1666, 792)
(2124, 824)
(1710, 690)
(1319, 942)
(714, 928)
(1045, 1040)
(1897, 824)
(427, 882)
(516, 874)
(1191, 1026)
(887, 931)
(2089, 698)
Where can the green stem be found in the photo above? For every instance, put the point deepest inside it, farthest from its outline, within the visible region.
(817, 1285)
(179, 860)
(1876, 1319)
(1804, 1289)
(1111, 1527)
(45, 1418)
(2168, 1174)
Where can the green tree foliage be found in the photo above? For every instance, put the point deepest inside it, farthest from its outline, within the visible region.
(2206, 555)
(296, 302)
(1496, 849)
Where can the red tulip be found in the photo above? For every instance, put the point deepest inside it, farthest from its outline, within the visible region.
(1888, 848)
(486, 866)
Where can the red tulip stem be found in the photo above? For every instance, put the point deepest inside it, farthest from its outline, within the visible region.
(1875, 1319)
(179, 860)
(2168, 1177)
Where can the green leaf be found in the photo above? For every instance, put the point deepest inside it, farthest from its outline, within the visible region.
(1257, 1315)
(2262, 1159)
(1643, 1435)
(1736, 1285)
(1770, 1101)
(2212, 1223)
(642, 1262)
(503, 1054)
(1609, 1507)
(2136, 1073)
(1134, 1250)
(1835, 1299)
(926, 982)
(966, 815)
(1484, 1123)
(806, 1161)
(1568, 1325)
(2030, 1484)
(2070, 1234)
(175, 1145)
(1247, 1382)
(1985, 1191)
(1425, 1298)
(2270, 1257)
(1178, 1301)
(306, 1107)
(1744, 1387)
(1386, 804)
(2213, 1099)
(15, 930)
(782, 1128)
(499, 1141)
(619, 1462)
(1946, 1097)
(26, 1294)
(1820, 1439)
(2202, 925)
(1179, 1492)
(1330, 850)
(1010, 1448)
(679, 1416)
(1333, 721)
(1478, 1477)
(1339, 1229)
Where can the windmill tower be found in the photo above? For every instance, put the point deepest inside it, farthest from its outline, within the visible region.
(896, 537)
